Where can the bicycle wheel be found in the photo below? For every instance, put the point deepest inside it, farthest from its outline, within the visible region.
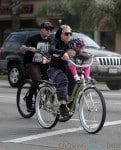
(92, 110)
(47, 107)
(22, 93)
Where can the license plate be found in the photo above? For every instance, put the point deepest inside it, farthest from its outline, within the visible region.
(113, 70)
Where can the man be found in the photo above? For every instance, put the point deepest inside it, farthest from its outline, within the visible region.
(34, 48)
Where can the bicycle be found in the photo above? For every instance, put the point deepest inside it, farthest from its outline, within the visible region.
(91, 105)
(22, 94)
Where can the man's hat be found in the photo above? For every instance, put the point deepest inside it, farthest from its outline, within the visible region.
(46, 25)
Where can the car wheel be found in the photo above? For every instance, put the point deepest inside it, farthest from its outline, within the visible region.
(114, 85)
(15, 75)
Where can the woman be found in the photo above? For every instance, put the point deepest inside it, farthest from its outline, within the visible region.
(59, 71)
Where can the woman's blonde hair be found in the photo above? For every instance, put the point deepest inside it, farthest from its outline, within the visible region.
(60, 30)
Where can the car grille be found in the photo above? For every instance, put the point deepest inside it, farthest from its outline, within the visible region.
(109, 60)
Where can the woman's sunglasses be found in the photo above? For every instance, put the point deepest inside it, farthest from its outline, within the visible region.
(68, 33)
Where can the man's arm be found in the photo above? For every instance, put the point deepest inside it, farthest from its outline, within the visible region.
(25, 48)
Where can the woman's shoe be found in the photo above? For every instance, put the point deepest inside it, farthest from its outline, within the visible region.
(64, 110)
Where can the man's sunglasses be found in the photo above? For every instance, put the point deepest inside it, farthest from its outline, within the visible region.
(49, 28)
(68, 33)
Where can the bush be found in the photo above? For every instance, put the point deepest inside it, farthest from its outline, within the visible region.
(3, 77)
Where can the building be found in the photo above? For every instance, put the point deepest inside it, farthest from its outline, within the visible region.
(26, 19)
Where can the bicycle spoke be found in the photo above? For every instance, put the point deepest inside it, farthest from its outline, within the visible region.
(47, 107)
(22, 94)
(92, 110)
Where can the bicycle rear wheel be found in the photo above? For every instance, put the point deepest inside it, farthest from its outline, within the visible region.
(22, 93)
(47, 107)
(92, 110)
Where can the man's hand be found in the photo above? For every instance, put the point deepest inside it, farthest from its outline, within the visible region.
(32, 49)
(24, 49)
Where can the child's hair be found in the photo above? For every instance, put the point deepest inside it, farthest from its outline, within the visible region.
(77, 43)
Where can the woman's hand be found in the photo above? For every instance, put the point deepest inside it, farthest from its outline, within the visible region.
(71, 53)
(45, 60)
(65, 57)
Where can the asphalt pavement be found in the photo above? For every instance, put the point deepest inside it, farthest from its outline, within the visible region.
(17, 133)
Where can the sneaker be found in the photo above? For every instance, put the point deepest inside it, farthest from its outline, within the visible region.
(64, 110)
(29, 108)
(70, 104)
(91, 81)
(29, 104)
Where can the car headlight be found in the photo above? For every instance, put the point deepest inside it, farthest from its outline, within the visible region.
(95, 62)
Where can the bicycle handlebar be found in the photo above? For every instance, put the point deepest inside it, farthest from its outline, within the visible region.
(72, 62)
(83, 65)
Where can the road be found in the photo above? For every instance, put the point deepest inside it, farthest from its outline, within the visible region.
(26, 134)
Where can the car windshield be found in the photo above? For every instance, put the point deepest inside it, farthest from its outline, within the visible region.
(88, 41)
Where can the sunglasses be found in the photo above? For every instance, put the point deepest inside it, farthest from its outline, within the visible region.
(68, 33)
(48, 28)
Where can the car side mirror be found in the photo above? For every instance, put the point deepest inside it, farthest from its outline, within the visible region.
(102, 47)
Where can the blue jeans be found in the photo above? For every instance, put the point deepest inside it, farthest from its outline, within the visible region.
(64, 82)
(61, 81)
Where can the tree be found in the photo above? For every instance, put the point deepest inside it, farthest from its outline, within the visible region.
(15, 6)
(81, 10)
(107, 16)
(72, 12)
(55, 10)
(87, 15)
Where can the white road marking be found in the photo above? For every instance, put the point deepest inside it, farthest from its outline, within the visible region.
(42, 135)
(7, 96)
(116, 103)
(53, 133)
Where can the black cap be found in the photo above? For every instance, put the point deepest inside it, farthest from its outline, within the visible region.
(46, 25)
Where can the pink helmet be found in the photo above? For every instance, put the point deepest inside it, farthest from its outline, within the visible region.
(77, 43)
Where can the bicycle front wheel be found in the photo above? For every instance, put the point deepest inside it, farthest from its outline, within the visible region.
(47, 108)
(22, 93)
(92, 110)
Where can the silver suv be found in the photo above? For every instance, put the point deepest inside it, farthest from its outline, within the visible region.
(106, 66)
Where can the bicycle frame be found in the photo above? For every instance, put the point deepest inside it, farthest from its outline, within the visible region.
(77, 92)
(79, 87)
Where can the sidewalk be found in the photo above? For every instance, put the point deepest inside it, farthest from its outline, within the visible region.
(101, 86)
(4, 82)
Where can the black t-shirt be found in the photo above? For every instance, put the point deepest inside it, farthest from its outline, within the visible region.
(42, 46)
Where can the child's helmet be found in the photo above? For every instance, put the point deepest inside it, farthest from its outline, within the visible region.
(77, 43)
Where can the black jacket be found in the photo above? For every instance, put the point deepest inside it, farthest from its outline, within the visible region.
(57, 50)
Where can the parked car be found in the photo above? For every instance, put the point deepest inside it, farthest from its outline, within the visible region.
(106, 66)
(11, 58)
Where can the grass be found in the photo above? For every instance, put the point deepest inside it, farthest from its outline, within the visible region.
(3, 77)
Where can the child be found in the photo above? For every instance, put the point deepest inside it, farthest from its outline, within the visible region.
(76, 54)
